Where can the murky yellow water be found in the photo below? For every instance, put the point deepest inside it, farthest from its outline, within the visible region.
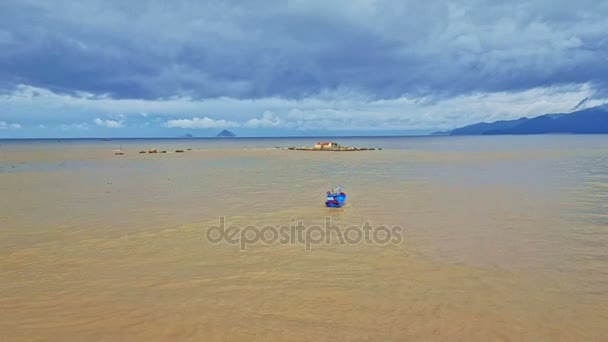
(500, 243)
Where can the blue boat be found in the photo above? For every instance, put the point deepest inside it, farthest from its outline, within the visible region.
(335, 199)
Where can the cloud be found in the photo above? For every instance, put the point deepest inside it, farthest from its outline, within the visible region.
(199, 123)
(384, 49)
(581, 103)
(109, 123)
(332, 111)
(268, 120)
(6, 126)
(297, 65)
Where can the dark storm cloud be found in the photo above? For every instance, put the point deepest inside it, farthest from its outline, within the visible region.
(294, 49)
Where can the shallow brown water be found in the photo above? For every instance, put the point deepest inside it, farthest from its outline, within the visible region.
(505, 239)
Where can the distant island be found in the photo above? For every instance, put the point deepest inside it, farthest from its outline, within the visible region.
(587, 121)
(226, 134)
(187, 136)
(330, 147)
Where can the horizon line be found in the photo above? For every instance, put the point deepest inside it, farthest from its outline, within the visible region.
(225, 138)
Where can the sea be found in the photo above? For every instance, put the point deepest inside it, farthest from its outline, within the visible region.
(480, 238)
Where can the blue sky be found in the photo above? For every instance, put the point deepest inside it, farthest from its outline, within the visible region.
(157, 68)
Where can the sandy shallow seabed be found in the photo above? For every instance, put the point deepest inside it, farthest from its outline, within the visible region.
(101, 247)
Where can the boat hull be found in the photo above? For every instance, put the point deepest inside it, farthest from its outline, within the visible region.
(336, 201)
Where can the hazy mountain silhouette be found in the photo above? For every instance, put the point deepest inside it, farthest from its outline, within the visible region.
(587, 121)
(226, 134)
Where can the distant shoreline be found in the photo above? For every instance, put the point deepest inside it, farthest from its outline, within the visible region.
(228, 138)
(297, 137)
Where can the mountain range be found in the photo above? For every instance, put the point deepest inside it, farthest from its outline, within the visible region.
(587, 121)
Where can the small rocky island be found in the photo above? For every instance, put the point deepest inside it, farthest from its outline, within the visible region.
(328, 146)
(226, 134)
(150, 151)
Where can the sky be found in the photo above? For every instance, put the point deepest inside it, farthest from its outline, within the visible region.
(113, 68)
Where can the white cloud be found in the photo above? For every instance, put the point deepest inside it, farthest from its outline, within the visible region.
(200, 123)
(6, 126)
(268, 120)
(331, 111)
(109, 123)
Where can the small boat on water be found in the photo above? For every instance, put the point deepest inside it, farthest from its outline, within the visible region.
(335, 198)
